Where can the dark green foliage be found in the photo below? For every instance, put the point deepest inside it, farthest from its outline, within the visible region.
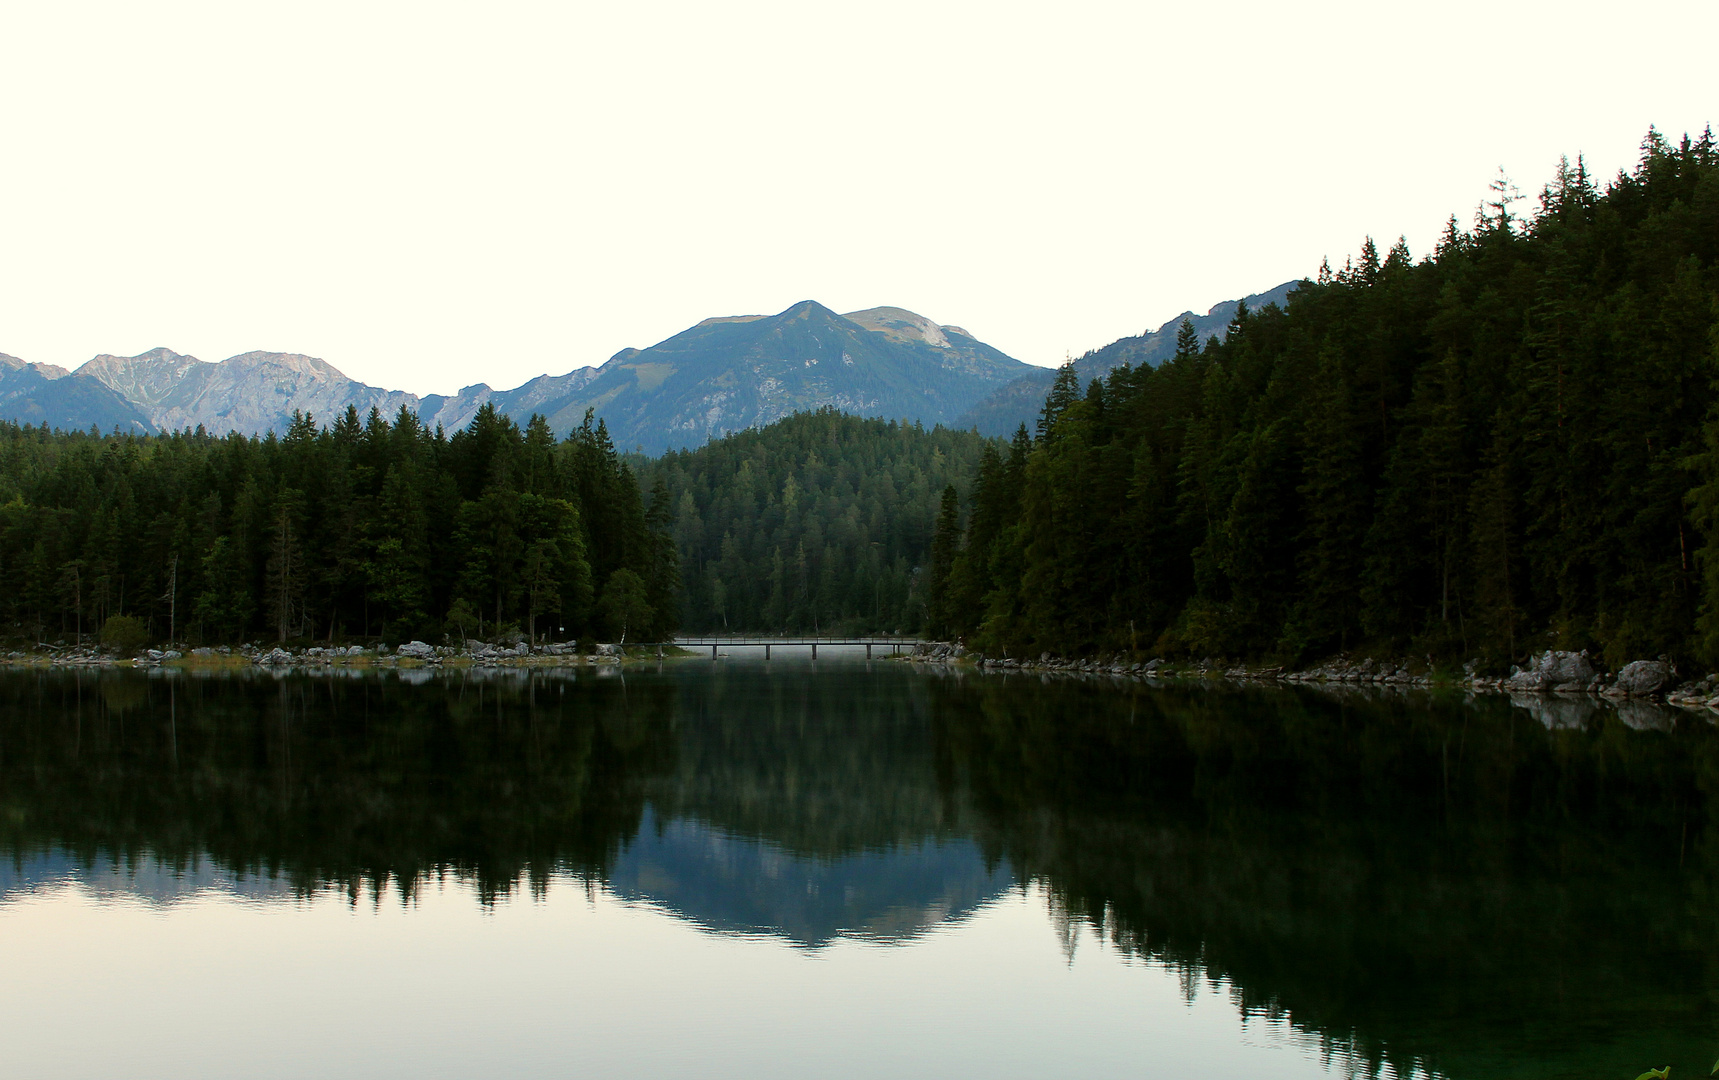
(1507, 445)
(821, 522)
(945, 542)
(123, 635)
(625, 606)
(360, 530)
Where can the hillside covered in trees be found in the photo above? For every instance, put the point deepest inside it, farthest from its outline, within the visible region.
(1507, 445)
(819, 522)
(360, 530)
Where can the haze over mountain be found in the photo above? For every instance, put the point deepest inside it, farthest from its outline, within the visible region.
(49, 394)
(253, 392)
(724, 374)
(1008, 407)
(728, 374)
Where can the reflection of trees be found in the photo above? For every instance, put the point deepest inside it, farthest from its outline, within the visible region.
(808, 805)
(1423, 879)
(328, 780)
(822, 764)
(1431, 881)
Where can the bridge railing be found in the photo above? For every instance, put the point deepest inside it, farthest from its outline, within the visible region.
(744, 639)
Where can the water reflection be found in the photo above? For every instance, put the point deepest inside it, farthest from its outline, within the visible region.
(730, 884)
(1420, 882)
(146, 879)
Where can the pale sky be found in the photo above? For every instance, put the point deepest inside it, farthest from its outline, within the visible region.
(429, 195)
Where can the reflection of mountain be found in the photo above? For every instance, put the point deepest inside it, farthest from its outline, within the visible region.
(808, 806)
(731, 884)
(145, 879)
(1467, 888)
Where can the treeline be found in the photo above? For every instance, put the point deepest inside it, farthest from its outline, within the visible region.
(820, 522)
(361, 530)
(1508, 445)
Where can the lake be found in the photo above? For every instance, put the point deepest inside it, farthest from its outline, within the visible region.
(845, 869)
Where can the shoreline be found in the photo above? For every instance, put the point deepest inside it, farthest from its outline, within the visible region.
(1541, 688)
(413, 655)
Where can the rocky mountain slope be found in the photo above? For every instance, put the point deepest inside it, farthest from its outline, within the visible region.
(1008, 407)
(727, 374)
(253, 392)
(723, 375)
(48, 394)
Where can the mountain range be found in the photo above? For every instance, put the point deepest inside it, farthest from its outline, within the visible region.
(49, 394)
(725, 374)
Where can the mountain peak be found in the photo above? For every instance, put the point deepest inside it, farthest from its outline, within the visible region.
(46, 371)
(807, 309)
(724, 374)
(900, 324)
(162, 352)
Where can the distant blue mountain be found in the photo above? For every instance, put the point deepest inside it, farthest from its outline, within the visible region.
(45, 394)
(731, 373)
(724, 374)
(1007, 408)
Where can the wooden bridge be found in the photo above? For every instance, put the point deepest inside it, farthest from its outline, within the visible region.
(894, 644)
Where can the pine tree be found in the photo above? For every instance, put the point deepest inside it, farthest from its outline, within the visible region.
(945, 544)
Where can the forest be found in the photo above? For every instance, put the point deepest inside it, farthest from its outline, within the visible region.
(819, 523)
(1507, 445)
(360, 530)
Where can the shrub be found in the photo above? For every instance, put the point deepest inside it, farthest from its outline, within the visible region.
(123, 635)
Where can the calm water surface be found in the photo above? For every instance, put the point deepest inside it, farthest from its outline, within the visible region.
(844, 870)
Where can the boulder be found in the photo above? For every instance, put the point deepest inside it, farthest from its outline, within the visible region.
(275, 656)
(608, 650)
(1642, 677)
(1554, 670)
(416, 650)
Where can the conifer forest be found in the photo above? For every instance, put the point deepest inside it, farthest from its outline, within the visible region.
(1508, 444)
(370, 529)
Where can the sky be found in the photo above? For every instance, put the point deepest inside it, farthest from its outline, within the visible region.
(430, 195)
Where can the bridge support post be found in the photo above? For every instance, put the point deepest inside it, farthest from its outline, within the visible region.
(868, 650)
(766, 650)
(814, 650)
(713, 652)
